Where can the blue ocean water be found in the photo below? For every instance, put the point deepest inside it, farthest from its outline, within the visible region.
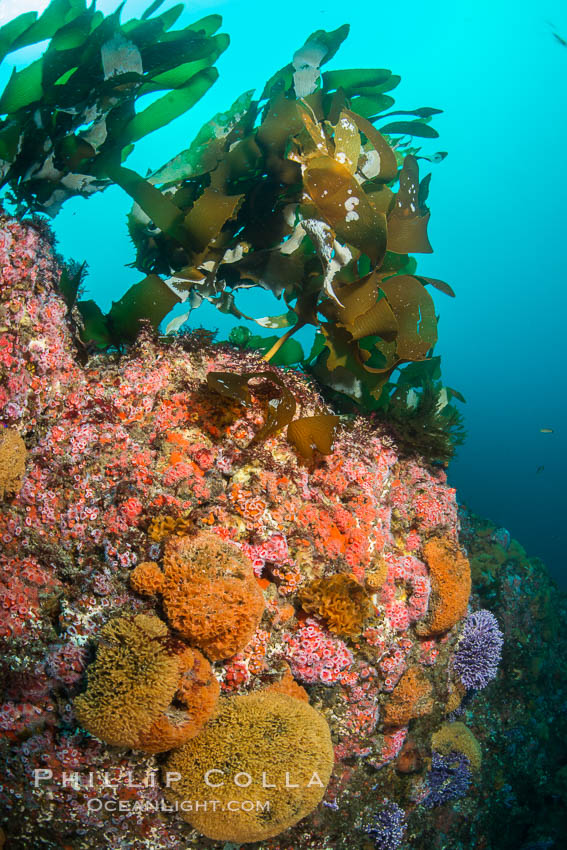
(497, 225)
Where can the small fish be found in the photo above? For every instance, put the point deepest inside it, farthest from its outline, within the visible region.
(539, 469)
(434, 157)
(556, 35)
(546, 430)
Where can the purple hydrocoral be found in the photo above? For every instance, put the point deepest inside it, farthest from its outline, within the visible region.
(449, 778)
(388, 826)
(479, 649)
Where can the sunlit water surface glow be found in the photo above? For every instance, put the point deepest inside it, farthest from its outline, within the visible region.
(497, 226)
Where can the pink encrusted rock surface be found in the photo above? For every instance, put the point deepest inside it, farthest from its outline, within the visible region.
(114, 447)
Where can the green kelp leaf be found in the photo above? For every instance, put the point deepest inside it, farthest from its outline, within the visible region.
(180, 74)
(64, 78)
(371, 106)
(422, 112)
(205, 150)
(407, 224)
(73, 34)
(388, 167)
(191, 55)
(311, 432)
(208, 215)
(414, 310)
(170, 16)
(153, 7)
(354, 79)
(423, 192)
(24, 88)
(142, 33)
(95, 324)
(343, 204)
(239, 336)
(377, 356)
(206, 26)
(397, 264)
(176, 48)
(11, 31)
(306, 68)
(66, 85)
(69, 284)
(316, 348)
(410, 128)
(150, 299)
(170, 106)
(58, 13)
(73, 153)
(10, 136)
(289, 353)
(419, 373)
(163, 212)
(438, 284)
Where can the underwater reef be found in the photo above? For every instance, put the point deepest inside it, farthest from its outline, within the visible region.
(175, 591)
(240, 604)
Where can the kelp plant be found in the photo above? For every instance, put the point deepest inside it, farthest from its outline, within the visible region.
(293, 192)
(70, 117)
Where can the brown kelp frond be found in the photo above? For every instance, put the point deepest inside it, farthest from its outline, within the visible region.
(305, 433)
(313, 432)
(295, 192)
(281, 402)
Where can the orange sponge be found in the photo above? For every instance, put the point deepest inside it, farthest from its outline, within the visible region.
(287, 685)
(210, 594)
(263, 748)
(410, 698)
(138, 673)
(450, 586)
(340, 600)
(12, 462)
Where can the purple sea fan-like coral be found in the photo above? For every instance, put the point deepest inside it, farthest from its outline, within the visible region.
(448, 779)
(479, 650)
(388, 826)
